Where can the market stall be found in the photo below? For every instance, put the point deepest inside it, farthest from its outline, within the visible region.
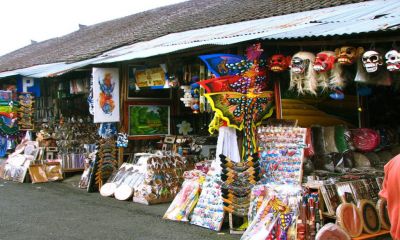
(319, 165)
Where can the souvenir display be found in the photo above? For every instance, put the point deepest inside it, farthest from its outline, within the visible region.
(279, 63)
(116, 179)
(238, 179)
(370, 69)
(71, 138)
(17, 164)
(372, 60)
(107, 130)
(329, 137)
(303, 78)
(53, 171)
(185, 201)
(8, 121)
(340, 140)
(133, 179)
(106, 95)
(323, 65)
(276, 212)
(365, 139)
(348, 55)
(122, 140)
(370, 216)
(37, 173)
(90, 98)
(349, 218)
(26, 101)
(240, 98)
(209, 211)
(162, 180)
(393, 61)
(89, 160)
(310, 214)
(107, 161)
(332, 231)
(381, 207)
(282, 153)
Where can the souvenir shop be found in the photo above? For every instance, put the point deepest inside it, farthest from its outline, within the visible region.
(53, 131)
(286, 144)
(302, 140)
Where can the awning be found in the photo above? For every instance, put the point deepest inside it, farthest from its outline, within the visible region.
(370, 16)
(48, 70)
(355, 18)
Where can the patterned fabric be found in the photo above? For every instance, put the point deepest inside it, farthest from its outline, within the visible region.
(242, 112)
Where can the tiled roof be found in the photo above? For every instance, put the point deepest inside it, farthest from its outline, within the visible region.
(93, 40)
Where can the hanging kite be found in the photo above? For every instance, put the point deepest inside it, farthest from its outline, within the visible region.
(240, 98)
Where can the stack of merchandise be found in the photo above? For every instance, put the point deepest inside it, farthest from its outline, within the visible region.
(209, 211)
(273, 212)
(185, 201)
(358, 202)
(163, 178)
(123, 182)
(47, 172)
(72, 136)
(107, 161)
(337, 149)
(26, 101)
(238, 179)
(8, 121)
(282, 152)
(309, 217)
(17, 163)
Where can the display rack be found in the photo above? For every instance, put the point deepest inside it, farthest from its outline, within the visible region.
(327, 217)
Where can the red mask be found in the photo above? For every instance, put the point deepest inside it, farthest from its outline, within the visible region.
(279, 63)
(324, 61)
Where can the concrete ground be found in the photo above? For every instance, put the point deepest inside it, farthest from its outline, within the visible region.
(62, 211)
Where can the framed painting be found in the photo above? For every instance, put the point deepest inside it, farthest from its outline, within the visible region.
(147, 83)
(106, 95)
(145, 120)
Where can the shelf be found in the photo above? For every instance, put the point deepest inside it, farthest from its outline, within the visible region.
(372, 236)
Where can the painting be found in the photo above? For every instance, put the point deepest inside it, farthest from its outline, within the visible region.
(147, 83)
(149, 120)
(106, 95)
(150, 77)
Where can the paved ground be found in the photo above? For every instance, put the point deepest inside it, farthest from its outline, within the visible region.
(62, 211)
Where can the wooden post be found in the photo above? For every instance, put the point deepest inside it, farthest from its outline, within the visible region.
(278, 100)
(120, 156)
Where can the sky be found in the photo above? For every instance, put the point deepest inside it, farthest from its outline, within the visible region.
(24, 20)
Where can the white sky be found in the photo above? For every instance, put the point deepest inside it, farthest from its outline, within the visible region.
(24, 20)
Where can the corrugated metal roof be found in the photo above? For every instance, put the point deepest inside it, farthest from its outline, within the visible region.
(341, 20)
(371, 16)
(48, 70)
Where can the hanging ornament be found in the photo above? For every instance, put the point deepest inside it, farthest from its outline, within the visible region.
(393, 61)
(122, 140)
(279, 63)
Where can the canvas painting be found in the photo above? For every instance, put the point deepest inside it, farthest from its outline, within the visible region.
(106, 95)
(148, 120)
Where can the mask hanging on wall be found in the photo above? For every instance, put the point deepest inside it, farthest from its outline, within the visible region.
(348, 55)
(302, 75)
(372, 61)
(393, 61)
(370, 69)
(279, 63)
(323, 66)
